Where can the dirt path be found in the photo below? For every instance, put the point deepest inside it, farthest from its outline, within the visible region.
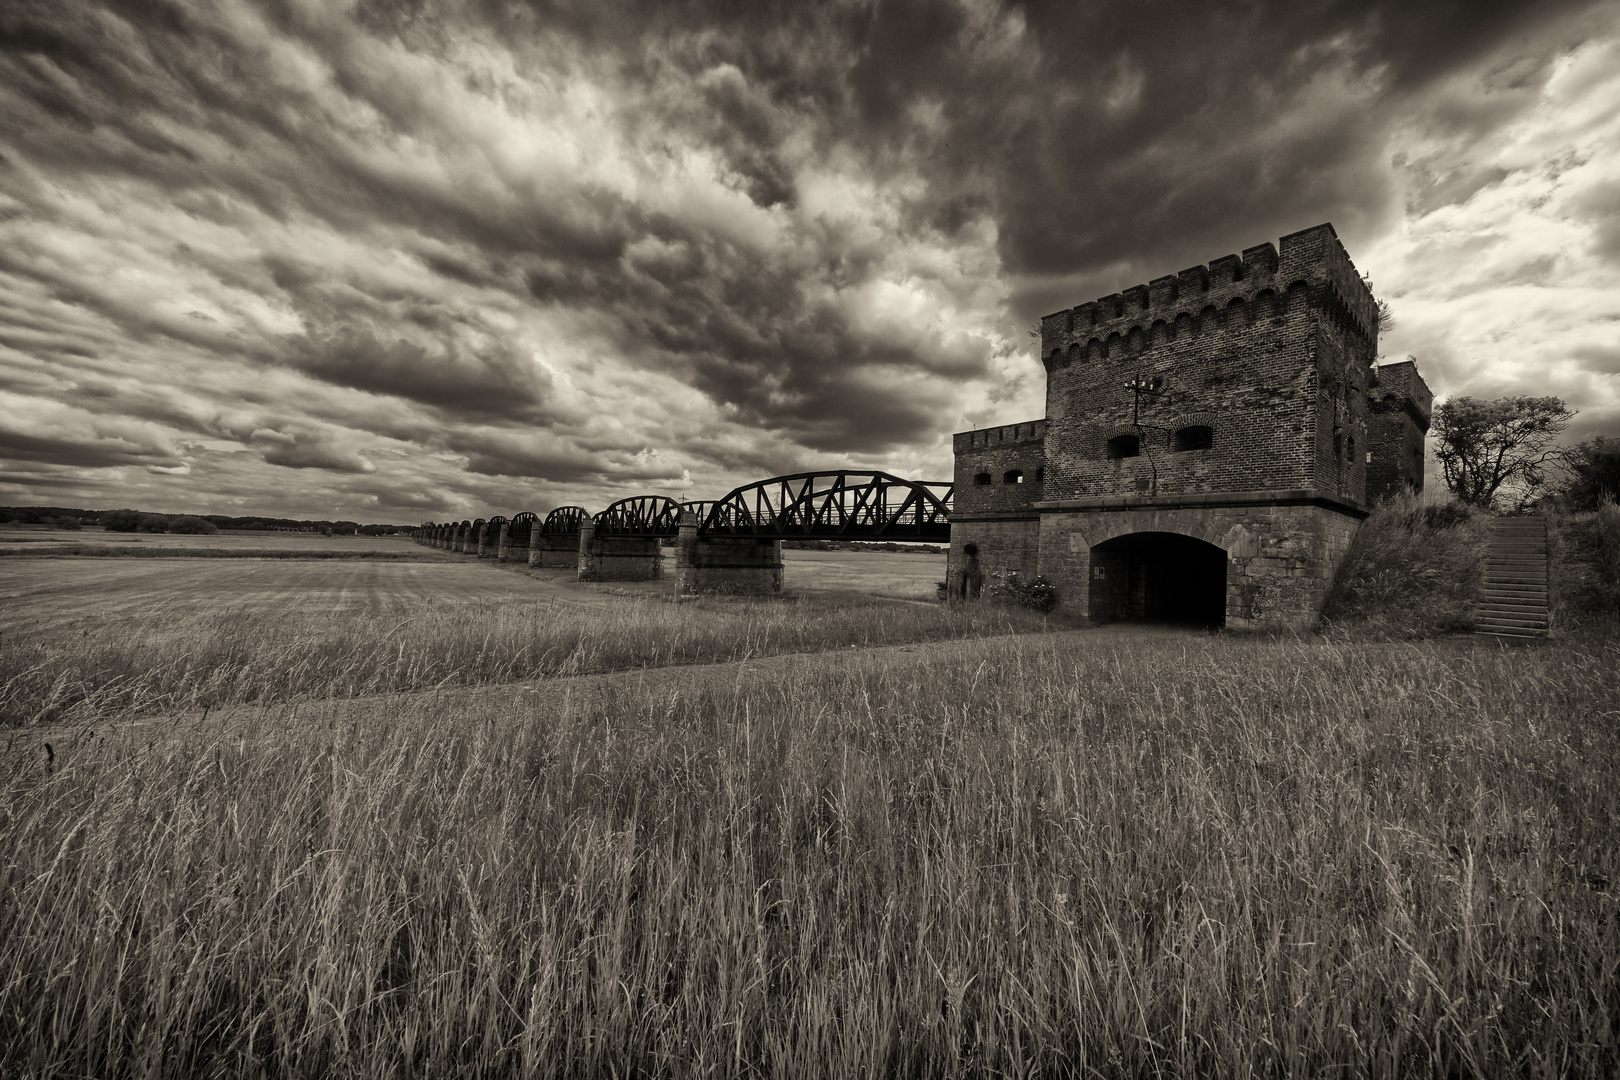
(578, 690)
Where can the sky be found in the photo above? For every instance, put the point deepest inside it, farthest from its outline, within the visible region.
(417, 260)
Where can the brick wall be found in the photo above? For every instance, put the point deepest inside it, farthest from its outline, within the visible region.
(1006, 547)
(994, 453)
(1399, 406)
(1265, 349)
(999, 516)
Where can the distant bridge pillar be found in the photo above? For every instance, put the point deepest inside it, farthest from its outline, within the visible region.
(458, 542)
(534, 543)
(618, 558)
(500, 544)
(483, 548)
(725, 564)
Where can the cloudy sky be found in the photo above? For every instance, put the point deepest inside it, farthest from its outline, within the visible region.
(395, 261)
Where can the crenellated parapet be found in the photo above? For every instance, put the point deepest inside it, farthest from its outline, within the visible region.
(1005, 435)
(1000, 471)
(1309, 267)
(1399, 388)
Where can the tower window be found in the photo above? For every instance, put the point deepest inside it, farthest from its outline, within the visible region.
(1124, 446)
(981, 480)
(1014, 476)
(1193, 438)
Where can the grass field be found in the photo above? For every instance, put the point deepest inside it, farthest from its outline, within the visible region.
(1101, 854)
(412, 834)
(81, 637)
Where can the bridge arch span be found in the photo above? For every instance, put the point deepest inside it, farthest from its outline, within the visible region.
(843, 504)
(565, 521)
(640, 515)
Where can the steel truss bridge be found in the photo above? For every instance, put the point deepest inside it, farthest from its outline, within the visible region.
(845, 504)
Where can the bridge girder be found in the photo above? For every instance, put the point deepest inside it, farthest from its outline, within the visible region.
(640, 515)
(843, 504)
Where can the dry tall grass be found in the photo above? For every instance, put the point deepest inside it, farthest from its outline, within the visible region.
(228, 656)
(1102, 856)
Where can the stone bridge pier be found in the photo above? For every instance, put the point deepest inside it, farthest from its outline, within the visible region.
(615, 557)
(554, 552)
(725, 564)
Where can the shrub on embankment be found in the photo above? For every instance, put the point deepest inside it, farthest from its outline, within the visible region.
(1104, 856)
(1583, 581)
(1412, 571)
(226, 657)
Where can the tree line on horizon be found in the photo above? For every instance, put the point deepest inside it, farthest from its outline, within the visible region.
(127, 520)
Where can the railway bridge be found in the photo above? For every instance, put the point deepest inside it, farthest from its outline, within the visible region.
(732, 544)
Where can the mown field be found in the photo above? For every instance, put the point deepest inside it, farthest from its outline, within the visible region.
(965, 847)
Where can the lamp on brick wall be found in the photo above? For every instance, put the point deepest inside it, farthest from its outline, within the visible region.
(1153, 386)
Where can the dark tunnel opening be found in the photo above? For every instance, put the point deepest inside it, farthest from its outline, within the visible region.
(1158, 577)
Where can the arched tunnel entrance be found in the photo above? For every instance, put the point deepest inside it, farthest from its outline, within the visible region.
(1161, 577)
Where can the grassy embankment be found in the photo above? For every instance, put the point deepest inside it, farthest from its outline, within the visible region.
(1412, 571)
(1097, 855)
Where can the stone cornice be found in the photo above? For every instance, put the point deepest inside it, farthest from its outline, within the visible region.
(998, 515)
(1203, 499)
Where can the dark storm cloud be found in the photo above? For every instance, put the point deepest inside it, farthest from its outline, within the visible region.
(84, 452)
(539, 454)
(467, 382)
(522, 238)
(305, 451)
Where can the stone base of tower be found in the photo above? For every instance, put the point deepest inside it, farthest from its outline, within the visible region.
(987, 549)
(1261, 559)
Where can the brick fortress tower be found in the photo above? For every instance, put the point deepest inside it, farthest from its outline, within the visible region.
(1211, 443)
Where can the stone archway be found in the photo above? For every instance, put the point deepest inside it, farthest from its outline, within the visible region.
(1159, 577)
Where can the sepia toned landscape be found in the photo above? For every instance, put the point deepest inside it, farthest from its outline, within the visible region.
(305, 816)
(848, 539)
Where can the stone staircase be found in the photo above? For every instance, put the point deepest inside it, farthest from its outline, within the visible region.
(1513, 598)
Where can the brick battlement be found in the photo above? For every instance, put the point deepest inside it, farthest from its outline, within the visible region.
(1227, 486)
(1005, 435)
(1263, 281)
(1399, 387)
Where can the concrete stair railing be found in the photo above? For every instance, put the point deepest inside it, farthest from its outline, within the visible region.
(1513, 597)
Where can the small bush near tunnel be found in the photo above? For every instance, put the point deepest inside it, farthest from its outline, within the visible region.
(1037, 593)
